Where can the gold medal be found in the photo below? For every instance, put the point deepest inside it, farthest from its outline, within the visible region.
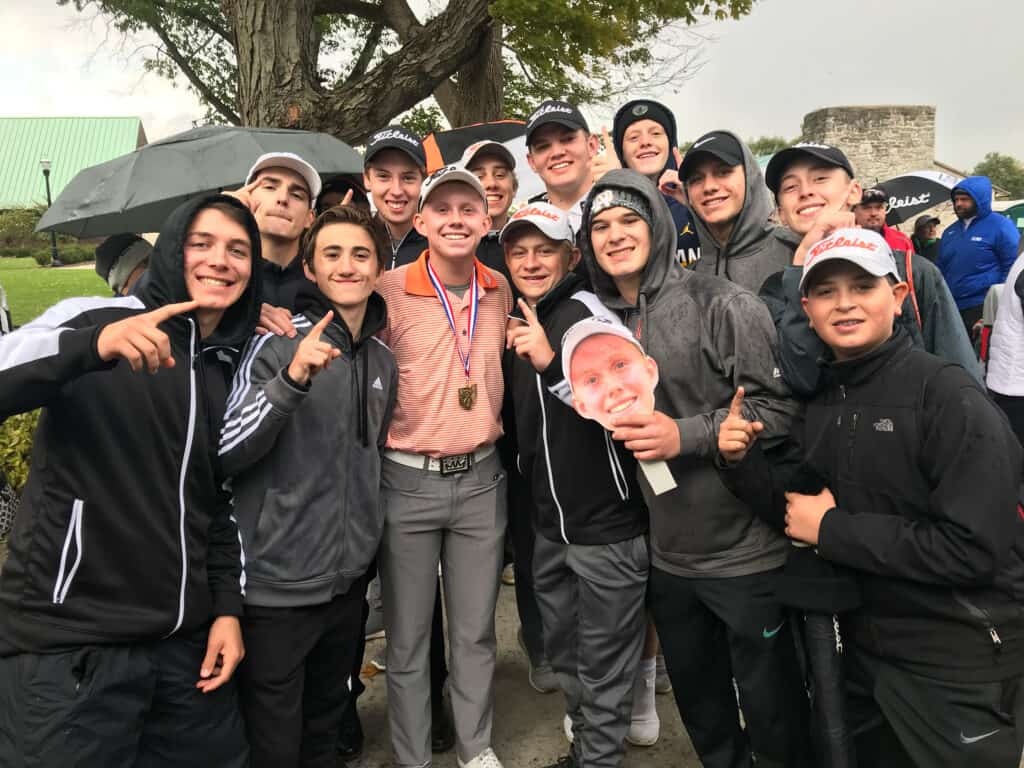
(467, 396)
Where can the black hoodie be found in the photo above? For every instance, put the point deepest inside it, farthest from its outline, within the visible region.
(306, 461)
(123, 534)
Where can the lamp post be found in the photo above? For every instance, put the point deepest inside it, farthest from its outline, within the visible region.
(54, 259)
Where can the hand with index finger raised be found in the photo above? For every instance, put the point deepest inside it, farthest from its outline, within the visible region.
(606, 161)
(736, 434)
(139, 340)
(244, 194)
(312, 355)
(530, 341)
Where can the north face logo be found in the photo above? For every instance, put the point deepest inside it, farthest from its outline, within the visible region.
(883, 425)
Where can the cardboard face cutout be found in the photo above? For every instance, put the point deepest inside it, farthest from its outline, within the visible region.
(611, 376)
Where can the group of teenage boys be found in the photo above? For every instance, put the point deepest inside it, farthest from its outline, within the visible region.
(200, 494)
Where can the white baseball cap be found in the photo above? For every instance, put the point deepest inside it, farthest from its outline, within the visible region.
(551, 221)
(863, 247)
(292, 162)
(447, 175)
(584, 329)
(488, 146)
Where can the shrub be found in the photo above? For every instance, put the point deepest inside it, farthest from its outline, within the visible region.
(68, 253)
(16, 447)
(18, 225)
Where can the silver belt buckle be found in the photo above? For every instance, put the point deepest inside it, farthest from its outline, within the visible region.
(454, 465)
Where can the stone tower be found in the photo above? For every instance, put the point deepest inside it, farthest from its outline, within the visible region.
(881, 142)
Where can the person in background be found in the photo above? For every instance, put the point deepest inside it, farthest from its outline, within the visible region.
(870, 213)
(644, 138)
(121, 260)
(492, 163)
(926, 237)
(394, 167)
(977, 251)
(334, 193)
(1005, 376)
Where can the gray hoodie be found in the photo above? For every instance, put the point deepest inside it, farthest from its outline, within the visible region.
(753, 251)
(709, 336)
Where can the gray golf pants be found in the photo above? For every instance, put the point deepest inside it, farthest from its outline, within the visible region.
(459, 521)
(591, 601)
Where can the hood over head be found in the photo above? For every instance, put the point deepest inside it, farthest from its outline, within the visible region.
(662, 258)
(164, 281)
(980, 190)
(752, 222)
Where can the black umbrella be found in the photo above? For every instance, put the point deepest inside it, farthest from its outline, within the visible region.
(912, 193)
(137, 191)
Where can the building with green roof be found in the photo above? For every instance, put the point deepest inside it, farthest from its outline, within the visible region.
(69, 143)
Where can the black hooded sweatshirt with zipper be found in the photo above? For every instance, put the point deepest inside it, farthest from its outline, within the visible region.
(926, 475)
(305, 461)
(124, 533)
(583, 483)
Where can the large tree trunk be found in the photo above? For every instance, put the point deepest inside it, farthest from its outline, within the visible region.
(477, 94)
(277, 47)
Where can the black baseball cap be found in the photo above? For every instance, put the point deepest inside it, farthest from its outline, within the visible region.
(396, 137)
(554, 111)
(781, 160)
(874, 195)
(720, 144)
(925, 221)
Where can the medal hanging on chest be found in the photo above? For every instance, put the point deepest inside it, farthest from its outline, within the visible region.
(467, 394)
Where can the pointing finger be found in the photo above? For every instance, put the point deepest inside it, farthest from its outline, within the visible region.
(321, 326)
(678, 156)
(168, 311)
(736, 406)
(347, 198)
(608, 146)
(531, 317)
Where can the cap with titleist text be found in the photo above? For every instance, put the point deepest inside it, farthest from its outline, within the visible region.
(551, 221)
(395, 137)
(863, 247)
(584, 329)
(292, 162)
(447, 175)
(554, 111)
(781, 160)
(720, 144)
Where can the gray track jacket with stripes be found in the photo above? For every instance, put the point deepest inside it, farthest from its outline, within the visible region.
(123, 534)
(305, 461)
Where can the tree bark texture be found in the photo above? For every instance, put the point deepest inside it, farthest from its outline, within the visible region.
(477, 94)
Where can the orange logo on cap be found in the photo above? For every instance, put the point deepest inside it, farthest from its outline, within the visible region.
(839, 242)
(534, 211)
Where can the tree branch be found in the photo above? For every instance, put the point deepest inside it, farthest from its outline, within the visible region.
(193, 77)
(366, 55)
(203, 21)
(405, 77)
(368, 11)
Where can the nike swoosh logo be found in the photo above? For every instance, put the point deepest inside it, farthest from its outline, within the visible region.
(700, 143)
(972, 739)
(768, 634)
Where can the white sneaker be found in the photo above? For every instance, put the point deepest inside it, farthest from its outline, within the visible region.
(486, 759)
(567, 728)
(644, 724)
(644, 731)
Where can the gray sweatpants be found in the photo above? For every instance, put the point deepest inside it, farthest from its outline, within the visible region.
(591, 601)
(459, 521)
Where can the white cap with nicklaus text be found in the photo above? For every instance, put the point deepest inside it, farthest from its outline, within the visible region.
(863, 247)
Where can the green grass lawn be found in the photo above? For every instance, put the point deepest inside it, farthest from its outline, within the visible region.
(31, 289)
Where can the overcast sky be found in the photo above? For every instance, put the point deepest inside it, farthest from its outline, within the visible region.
(762, 74)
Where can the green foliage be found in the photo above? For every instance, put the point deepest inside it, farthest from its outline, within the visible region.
(768, 145)
(16, 447)
(423, 119)
(1004, 171)
(32, 289)
(68, 254)
(18, 225)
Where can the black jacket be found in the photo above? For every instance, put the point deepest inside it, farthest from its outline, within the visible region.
(124, 534)
(408, 249)
(583, 483)
(279, 286)
(925, 472)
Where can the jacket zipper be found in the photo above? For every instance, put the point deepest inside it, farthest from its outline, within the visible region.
(62, 585)
(981, 615)
(547, 458)
(183, 475)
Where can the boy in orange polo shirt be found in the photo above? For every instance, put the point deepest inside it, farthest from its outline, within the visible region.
(443, 486)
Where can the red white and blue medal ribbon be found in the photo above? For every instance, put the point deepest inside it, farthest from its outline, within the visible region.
(474, 308)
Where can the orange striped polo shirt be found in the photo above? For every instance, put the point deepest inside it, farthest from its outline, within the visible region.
(428, 418)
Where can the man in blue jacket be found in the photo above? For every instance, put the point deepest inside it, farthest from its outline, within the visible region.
(977, 251)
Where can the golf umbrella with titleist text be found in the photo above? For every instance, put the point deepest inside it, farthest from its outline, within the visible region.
(137, 191)
(912, 193)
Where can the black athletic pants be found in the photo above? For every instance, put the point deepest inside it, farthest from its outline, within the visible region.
(118, 706)
(523, 536)
(713, 631)
(904, 720)
(294, 681)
